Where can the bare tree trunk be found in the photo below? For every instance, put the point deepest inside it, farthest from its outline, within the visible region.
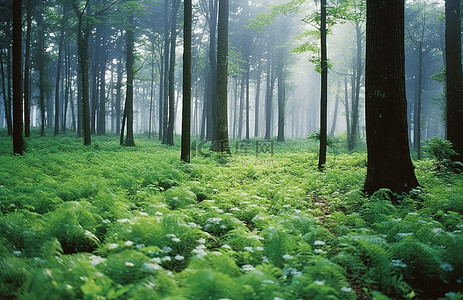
(17, 79)
(324, 90)
(186, 112)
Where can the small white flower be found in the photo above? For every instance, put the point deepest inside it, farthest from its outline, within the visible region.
(17, 253)
(319, 243)
(96, 260)
(113, 246)
(179, 257)
(223, 226)
(158, 213)
(287, 256)
(226, 247)
(259, 248)
(170, 235)
(68, 286)
(176, 240)
(140, 246)
(156, 260)
(249, 249)
(128, 243)
(201, 241)
(142, 213)
(106, 221)
(346, 289)
(166, 249)
(166, 258)
(248, 268)
(398, 263)
(319, 251)
(319, 282)
(129, 264)
(450, 294)
(192, 225)
(265, 259)
(151, 266)
(235, 209)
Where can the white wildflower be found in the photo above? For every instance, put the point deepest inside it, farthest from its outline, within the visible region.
(287, 256)
(398, 263)
(166, 249)
(248, 268)
(166, 258)
(319, 243)
(346, 289)
(214, 220)
(156, 260)
(158, 213)
(96, 260)
(128, 243)
(179, 257)
(106, 221)
(265, 259)
(142, 213)
(170, 235)
(17, 253)
(319, 251)
(223, 226)
(176, 240)
(446, 267)
(249, 249)
(226, 247)
(259, 248)
(140, 246)
(319, 282)
(113, 246)
(151, 266)
(201, 241)
(129, 264)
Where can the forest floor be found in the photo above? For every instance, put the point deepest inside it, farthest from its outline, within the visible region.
(112, 222)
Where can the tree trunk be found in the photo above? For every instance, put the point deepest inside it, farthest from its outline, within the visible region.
(268, 101)
(389, 164)
(186, 112)
(212, 106)
(17, 79)
(281, 104)
(346, 107)
(165, 112)
(335, 114)
(222, 77)
(129, 141)
(101, 125)
(9, 122)
(454, 77)
(27, 63)
(58, 77)
(324, 90)
(173, 38)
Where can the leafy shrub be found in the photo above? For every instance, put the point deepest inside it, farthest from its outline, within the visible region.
(442, 151)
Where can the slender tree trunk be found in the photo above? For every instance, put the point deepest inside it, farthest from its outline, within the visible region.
(101, 125)
(166, 73)
(212, 107)
(58, 77)
(454, 77)
(129, 141)
(152, 89)
(281, 104)
(120, 74)
(17, 79)
(347, 110)
(324, 90)
(27, 63)
(173, 38)
(9, 122)
(222, 77)
(335, 114)
(241, 108)
(186, 112)
(389, 164)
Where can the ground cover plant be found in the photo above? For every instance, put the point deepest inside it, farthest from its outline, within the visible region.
(111, 222)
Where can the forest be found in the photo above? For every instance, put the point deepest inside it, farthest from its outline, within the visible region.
(231, 149)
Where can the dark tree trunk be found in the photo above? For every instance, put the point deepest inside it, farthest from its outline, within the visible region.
(389, 163)
(186, 112)
(27, 63)
(281, 104)
(165, 113)
(101, 125)
(324, 90)
(241, 108)
(222, 76)
(454, 77)
(268, 100)
(17, 79)
(129, 141)
(346, 107)
(356, 92)
(417, 117)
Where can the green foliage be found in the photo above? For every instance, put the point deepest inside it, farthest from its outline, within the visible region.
(114, 223)
(442, 152)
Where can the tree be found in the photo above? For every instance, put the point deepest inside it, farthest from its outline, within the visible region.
(186, 113)
(454, 76)
(324, 89)
(17, 79)
(389, 163)
(128, 111)
(27, 119)
(222, 75)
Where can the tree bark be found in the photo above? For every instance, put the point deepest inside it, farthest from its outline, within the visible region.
(324, 90)
(27, 63)
(389, 164)
(17, 79)
(222, 76)
(454, 77)
(129, 141)
(58, 77)
(186, 112)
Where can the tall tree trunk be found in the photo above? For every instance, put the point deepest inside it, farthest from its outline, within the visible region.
(335, 114)
(356, 93)
(212, 107)
(120, 74)
(17, 79)
(346, 107)
(9, 122)
(389, 164)
(151, 89)
(417, 118)
(129, 141)
(101, 125)
(241, 112)
(454, 76)
(268, 100)
(222, 77)
(324, 90)
(186, 112)
(173, 38)
(165, 112)
(58, 79)
(27, 63)
(281, 104)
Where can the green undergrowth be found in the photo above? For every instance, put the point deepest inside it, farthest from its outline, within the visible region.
(111, 222)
